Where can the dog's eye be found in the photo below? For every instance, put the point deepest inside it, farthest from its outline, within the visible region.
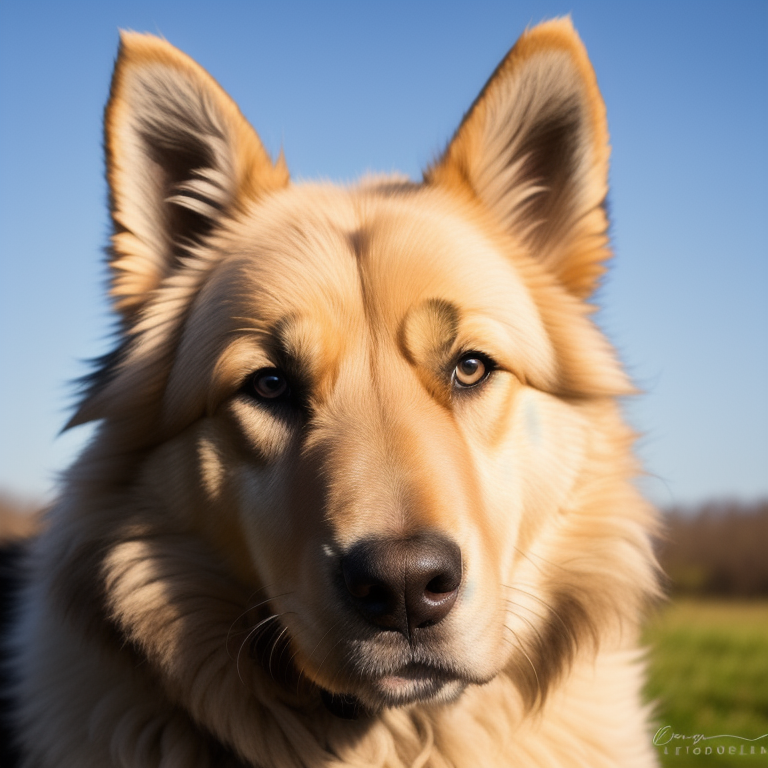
(269, 384)
(471, 369)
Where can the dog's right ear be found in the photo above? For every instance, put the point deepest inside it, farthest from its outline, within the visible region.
(180, 157)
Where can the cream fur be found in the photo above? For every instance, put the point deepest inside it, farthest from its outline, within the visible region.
(202, 520)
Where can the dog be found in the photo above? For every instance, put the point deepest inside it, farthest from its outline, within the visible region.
(360, 491)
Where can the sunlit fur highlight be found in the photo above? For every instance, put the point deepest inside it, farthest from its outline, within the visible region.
(182, 605)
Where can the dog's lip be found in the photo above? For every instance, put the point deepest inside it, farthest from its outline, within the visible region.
(409, 677)
(409, 684)
(412, 682)
(414, 672)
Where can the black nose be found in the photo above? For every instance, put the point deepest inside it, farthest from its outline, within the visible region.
(403, 584)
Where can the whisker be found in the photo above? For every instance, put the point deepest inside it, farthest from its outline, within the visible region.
(309, 658)
(530, 624)
(272, 651)
(231, 631)
(330, 650)
(528, 557)
(337, 672)
(519, 647)
(261, 624)
(546, 605)
(286, 645)
(530, 610)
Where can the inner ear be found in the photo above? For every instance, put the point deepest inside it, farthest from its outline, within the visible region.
(549, 151)
(533, 150)
(189, 194)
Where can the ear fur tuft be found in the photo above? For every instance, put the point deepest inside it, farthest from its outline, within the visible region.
(533, 150)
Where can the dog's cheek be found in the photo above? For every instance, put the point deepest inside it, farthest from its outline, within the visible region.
(489, 427)
(554, 434)
(278, 504)
(486, 420)
(529, 449)
(237, 492)
(545, 455)
(193, 477)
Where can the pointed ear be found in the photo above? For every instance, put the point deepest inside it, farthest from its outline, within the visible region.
(180, 158)
(533, 150)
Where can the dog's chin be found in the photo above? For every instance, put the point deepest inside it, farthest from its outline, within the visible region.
(413, 684)
(391, 685)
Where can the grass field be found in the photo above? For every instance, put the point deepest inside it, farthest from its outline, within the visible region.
(709, 676)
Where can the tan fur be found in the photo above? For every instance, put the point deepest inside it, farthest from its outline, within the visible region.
(201, 518)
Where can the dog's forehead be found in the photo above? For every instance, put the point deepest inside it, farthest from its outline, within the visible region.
(374, 253)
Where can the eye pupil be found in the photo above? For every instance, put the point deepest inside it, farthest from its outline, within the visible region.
(470, 370)
(269, 383)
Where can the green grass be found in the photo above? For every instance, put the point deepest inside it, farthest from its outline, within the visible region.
(709, 676)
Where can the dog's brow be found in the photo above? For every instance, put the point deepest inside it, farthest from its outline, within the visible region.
(296, 347)
(429, 331)
(358, 241)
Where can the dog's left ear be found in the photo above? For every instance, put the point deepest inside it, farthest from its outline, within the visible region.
(180, 158)
(533, 150)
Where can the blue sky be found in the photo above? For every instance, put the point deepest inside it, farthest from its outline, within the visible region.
(350, 87)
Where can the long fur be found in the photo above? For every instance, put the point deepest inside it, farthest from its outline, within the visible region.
(185, 604)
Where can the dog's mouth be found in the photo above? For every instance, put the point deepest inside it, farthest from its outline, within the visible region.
(415, 682)
(407, 683)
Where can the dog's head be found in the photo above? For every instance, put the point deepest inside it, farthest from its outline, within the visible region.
(382, 412)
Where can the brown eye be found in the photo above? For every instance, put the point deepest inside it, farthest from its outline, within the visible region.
(269, 383)
(471, 369)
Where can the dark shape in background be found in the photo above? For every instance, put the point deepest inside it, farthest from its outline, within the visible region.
(719, 549)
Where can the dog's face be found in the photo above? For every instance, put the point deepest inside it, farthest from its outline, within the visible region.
(381, 408)
(368, 431)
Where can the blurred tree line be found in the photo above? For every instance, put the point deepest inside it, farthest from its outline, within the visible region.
(718, 549)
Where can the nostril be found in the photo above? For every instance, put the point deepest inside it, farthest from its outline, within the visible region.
(358, 588)
(377, 599)
(366, 582)
(442, 584)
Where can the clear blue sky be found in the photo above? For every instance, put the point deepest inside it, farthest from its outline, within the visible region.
(348, 87)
